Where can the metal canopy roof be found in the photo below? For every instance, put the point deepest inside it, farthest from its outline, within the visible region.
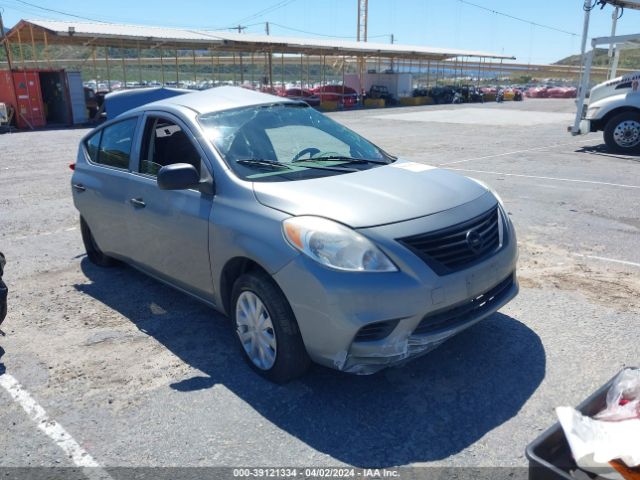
(134, 36)
(633, 4)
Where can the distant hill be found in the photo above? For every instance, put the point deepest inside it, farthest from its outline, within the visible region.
(628, 59)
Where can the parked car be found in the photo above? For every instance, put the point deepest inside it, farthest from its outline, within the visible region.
(381, 91)
(346, 97)
(316, 243)
(562, 92)
(537, 92)
(302, 94)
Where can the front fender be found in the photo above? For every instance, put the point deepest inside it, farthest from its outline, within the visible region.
(609, 104)
(250, 231)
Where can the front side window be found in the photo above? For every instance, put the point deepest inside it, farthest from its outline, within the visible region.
(115, 144)
(287, 141)
(166, 143)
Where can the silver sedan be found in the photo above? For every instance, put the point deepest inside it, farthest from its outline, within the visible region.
(316, 243)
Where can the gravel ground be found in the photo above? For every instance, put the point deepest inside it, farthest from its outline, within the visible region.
(142, 375)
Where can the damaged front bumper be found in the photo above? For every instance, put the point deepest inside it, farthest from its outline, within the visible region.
(413, 340)
(362, 322)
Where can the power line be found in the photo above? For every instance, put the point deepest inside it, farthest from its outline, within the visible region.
(310, 33)
(517, 18)
(261, 13)
(57, 11)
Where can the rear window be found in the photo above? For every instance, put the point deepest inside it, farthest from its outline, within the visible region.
(112, 145)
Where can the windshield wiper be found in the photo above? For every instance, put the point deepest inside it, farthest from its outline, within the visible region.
(340, 157)
(262, 162)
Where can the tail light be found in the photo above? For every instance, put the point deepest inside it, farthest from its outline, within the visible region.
(72, 166)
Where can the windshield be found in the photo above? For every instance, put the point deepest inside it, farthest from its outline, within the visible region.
(285, 142)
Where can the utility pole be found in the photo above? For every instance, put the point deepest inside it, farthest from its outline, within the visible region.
(240, 29)
(5, 42)
(393, 38)
(269, 60)
(363, 7)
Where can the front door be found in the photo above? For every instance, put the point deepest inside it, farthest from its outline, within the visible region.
(170, 228)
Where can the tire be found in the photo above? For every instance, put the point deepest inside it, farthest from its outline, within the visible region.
(622, 133)
(290, 356)
(93, 251)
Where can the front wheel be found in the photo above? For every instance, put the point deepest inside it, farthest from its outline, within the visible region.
(622, 133)
(267, 329)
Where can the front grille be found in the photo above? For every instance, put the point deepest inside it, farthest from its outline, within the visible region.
(451, 249)
(466, 311)
(375, 331)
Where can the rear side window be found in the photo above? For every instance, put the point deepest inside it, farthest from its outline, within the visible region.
(113, 144)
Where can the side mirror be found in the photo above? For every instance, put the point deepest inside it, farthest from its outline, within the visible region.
(178, 176)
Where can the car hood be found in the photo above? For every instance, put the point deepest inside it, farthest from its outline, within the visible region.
(382, 195)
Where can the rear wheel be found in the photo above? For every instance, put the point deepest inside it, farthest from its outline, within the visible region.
(267, 329)
(622, 133)
(93, 251)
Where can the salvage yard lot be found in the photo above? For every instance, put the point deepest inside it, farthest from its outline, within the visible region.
(142, 375)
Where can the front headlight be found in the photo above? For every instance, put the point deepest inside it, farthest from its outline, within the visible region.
(592, 112)
(335, 245)
(487, 187)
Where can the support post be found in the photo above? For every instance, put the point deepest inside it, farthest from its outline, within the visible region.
(162, 65)
(611, 54)
(253, 68)
(20, 48)
(46, 49)
(234, 68)
(270, 58)
(614, 64)
(177, 70)
(583, 44)
(195, 71)
(213, 65)
(124, 67)
(139, 66)
(5, 43)
(95, 67)
(34, 55)
(106, 58)
(582, 93)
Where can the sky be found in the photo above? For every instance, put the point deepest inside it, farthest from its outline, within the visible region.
(436, 23)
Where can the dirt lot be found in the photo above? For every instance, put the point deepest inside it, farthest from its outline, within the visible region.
(142, 375)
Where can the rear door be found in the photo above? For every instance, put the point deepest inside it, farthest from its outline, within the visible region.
(100, 183)
(170, 228)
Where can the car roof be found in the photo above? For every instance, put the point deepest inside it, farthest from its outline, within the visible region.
(218, 99)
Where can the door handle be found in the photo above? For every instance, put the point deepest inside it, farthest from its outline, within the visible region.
(138, 202)
(79, 187)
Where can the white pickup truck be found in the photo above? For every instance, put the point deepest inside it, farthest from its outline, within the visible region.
(614, 107)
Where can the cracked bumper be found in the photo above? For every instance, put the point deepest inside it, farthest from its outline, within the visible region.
(332, 306)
